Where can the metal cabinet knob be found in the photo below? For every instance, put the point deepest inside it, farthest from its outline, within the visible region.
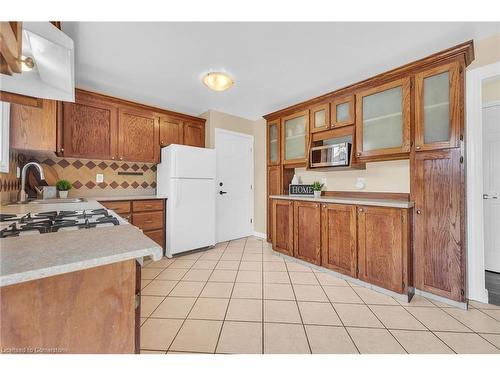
(358, 153)
(121, 157)
(418, 147)
(324, 206)
(419, 212)
(360, 210)
(62, 149)
(112, 158)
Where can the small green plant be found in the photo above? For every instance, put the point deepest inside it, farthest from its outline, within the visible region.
(63, 185)
(317, 186)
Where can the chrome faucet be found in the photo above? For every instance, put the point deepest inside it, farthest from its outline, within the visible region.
(23, 197)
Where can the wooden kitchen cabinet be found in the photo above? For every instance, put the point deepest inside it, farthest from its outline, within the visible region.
(273, 188)
(138, 135)
(273, 142)
(194, 134)
(339, 238)
(171, 131)
(342, 111)
(438, 115)
(383, 120)
(11, 35)
(294, 138)
(437, 189)
(307, 231)
(283, 226)
(90, 128)
(383, 243)
(34, 127)
(320, 118)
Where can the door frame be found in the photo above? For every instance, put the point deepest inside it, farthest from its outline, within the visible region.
(474, 181)
(252, 175)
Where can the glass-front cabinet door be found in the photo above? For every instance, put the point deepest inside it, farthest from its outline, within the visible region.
(437, 110)
(294, 137)
(383, 120)
(320, 118)
(342, 111)
(273, 142)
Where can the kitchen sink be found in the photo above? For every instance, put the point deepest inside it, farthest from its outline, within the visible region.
(54, 201)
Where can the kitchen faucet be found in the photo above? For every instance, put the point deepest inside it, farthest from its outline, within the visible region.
(23, 197)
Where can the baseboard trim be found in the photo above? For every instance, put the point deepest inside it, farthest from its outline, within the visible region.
(260, 235)
(461, 305)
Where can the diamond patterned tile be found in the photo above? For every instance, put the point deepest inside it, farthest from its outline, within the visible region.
(49, 162)
(77, 184)
(135, 185)
(90, 185)
(124, 184)
(77, 164)
(90, 165)
(144, 184)
(102, 185)
(63, 163)
(153, 184)
(134, 167)
(125, 167)
(114, 184)
(102, 165)
(144, 167)
(114, 166)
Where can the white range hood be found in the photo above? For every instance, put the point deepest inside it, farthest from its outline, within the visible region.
(53, 76)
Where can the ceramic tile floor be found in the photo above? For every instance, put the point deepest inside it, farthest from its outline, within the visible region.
(241, 298)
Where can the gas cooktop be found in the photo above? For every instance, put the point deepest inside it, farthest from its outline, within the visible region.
(14, 225)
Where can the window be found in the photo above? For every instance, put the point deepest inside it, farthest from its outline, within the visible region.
(4, 136)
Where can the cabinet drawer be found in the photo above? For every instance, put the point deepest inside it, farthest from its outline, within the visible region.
(148, 220)
(120, 207)
(151, 205)
(157, 236)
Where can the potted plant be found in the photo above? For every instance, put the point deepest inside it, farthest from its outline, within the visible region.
(317, 186)
(63, 187)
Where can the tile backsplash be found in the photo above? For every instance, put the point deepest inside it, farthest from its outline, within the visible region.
(9, 183)
(120, 178)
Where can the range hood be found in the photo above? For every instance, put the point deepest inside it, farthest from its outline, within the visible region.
(53, 76)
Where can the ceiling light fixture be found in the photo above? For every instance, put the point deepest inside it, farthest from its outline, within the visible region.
(218, 81)
(27, 64)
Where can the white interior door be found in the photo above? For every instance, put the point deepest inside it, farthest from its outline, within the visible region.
(491, 183)
(233, 185)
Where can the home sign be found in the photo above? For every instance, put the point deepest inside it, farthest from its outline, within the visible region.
(300, 190)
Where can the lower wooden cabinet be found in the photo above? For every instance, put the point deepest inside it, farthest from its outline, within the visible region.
(439, 226)
(148, 215)
(273, 188)
(383, 247)
(338, 238)
(307, 231)
(283, 226)
(367, 242)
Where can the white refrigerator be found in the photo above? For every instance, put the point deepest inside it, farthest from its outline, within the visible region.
(186, 175)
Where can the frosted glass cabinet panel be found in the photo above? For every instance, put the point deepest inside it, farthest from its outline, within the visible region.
(343, 111)
(273, 142)
(382, 120)
(295, 128)
(437, 121)
(320, 118)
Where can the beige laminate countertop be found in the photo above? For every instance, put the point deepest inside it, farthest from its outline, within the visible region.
(356, 201)
(129, 198)
(34, 257)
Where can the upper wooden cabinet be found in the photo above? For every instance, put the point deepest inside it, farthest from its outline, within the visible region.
(320, 118)
(89, 129)
(294, 137)
(273, 142)
(383, 247)
(282, 226)
(33, 128)
(437, 107)
(11, 37)
(194, 134)
(342, 111)
(439, 227)
(307, 231)
(338, 238)
(170, 131)
(138, 134)
(383, 120)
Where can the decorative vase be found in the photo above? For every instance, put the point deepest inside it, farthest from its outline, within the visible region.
(63, 193)
(295, 180)
(317, 193)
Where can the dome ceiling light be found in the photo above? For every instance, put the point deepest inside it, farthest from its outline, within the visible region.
(218, 81)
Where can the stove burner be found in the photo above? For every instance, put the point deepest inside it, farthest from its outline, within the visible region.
(53, 221)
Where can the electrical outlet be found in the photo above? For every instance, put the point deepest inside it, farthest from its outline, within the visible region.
(99, 177)
(360, 183)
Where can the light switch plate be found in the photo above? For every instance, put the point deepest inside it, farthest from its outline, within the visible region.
(99, 177)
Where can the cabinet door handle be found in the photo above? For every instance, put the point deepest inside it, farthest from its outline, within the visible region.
(418, 147)
(324, 206)
(112, 158)
(148, 206)
(358, 153)
(121, 157)
(360, 210)
(419, 212)
(148, 222)
(62, 149)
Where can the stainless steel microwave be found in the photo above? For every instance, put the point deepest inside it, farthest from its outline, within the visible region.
(330, 155)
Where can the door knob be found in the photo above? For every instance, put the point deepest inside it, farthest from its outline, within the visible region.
(222, 192)
(486, 196)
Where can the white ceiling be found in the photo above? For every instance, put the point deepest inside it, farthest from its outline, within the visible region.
(274, 65)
